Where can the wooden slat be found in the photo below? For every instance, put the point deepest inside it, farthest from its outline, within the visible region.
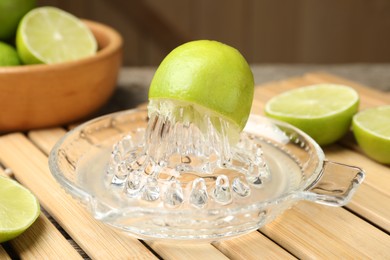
(252, 242)
(252, 245)
(96, 239)
(42, 240)
(372, 199)
(172, 250)
(47, 138)
(372, 205)
(3, 254)
(312, 231)
(244, 247)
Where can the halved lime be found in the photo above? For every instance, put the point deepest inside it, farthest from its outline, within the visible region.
(371, 128)
(8, 55)
(210, 75)
(324, 111)
(51, 35)
(19, 208)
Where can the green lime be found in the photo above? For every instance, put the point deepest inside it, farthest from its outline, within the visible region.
(371, 128)
(19, 208)
(8, 55)
(50, 35)
(11, 11)
(323, 111)
(208, 74)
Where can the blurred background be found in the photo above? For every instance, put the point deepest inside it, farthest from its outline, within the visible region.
(265, 31)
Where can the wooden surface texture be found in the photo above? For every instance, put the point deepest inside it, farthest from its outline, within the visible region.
(65, 230)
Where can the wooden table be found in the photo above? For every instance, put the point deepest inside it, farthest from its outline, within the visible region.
(65, 230)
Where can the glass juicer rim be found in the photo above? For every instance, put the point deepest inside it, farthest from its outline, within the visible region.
(84, 195)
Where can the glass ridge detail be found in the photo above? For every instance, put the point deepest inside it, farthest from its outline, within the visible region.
(186, 156)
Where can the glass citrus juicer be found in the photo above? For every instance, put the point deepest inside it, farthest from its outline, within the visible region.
(176, 172)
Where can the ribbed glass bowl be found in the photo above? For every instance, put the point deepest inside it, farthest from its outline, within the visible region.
(297, 166)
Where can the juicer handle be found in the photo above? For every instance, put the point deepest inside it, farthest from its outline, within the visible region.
(336, 184)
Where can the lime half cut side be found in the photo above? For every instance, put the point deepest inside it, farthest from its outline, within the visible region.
(371, 128)
(19, 208)
(50, 35)
(324, 111)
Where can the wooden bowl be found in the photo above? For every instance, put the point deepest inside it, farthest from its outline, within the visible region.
(38, 96)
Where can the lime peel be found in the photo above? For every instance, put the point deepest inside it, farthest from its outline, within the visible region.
(210, 74)
(11, 12)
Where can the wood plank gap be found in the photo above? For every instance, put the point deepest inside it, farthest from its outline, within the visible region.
(279, 244)
(51, 137)
(367, 220)
(151, 249)
(378, 212)
(7, 252)
(250, 245)
(310, 230)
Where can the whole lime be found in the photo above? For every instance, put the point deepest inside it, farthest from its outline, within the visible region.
(8, 55)
(210, 74)
(11, 12)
